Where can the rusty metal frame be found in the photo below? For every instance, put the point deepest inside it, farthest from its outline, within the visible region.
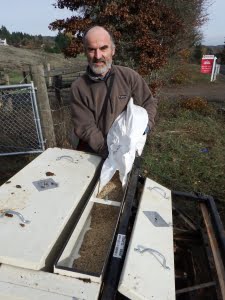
(215, 233)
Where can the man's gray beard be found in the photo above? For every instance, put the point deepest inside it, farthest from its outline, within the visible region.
(101, 70)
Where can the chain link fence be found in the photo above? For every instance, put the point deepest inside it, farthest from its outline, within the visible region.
(59, 99)
(20, 130)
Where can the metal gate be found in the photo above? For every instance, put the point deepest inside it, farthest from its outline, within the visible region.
(20, 129)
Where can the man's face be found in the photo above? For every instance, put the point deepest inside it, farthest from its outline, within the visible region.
(99, 50)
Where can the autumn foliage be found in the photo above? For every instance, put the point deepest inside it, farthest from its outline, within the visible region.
(195, 103)
(145, 31)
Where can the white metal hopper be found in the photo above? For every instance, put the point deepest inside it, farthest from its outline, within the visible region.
(148, 271)
(46, 193)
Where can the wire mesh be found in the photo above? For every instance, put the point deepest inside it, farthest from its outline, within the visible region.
(20, 130)
(61, 115)
(63, 128)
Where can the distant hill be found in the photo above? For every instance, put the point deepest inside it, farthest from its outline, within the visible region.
(216, 49)
(217, 46)
(25, 40)
(12, 58)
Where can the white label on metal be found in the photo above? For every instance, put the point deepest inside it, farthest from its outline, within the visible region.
(208, 56)
(120, 244)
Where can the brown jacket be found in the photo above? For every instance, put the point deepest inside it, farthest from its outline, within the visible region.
(92, 118)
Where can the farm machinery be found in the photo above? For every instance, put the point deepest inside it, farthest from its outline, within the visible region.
(63, 239)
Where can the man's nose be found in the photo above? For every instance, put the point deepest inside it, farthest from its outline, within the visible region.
(98, 53)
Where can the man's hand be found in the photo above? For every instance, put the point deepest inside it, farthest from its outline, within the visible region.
(147, 130)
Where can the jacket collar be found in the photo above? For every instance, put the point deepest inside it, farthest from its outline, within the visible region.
(97, 78)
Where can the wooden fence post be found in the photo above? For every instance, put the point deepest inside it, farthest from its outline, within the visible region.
(48, 73)
(58, 86)
(25, 77)
(6, 79)
(47, 124)
(30, 73)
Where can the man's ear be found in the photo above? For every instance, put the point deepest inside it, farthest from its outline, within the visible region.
(113, 51)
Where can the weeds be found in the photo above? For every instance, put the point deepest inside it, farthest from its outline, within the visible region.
(185, 151)
(179, 72)
(15, 77)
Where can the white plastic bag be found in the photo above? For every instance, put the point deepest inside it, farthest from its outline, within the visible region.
(124, 139)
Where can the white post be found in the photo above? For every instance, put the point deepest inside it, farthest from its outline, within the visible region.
(49, 75)
(213, 69)
(217, 69)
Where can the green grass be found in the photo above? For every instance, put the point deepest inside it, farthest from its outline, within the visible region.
(15, 77)
(194, 76)
(81, 57)
(185, 151)
(180, 72)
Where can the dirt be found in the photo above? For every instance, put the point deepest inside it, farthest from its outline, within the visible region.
(97, 240)
(211, 91)
(10, 165)
(113, 189)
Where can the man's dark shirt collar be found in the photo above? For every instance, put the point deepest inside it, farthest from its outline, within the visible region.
(96, 77)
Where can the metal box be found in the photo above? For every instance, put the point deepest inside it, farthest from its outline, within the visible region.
(40, 203)
(73, 249)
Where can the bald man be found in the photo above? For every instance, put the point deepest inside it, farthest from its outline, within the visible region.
(102, 93)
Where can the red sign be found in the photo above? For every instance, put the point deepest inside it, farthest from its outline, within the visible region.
(207, 65)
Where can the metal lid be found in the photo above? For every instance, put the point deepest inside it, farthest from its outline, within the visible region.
(36, 204)
(148, 271)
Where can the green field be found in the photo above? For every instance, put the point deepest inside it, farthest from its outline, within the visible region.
(185, 151)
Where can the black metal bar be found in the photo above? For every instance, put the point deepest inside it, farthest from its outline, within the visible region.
(191, 195)
(115, 264)
(193, 225)
(219, 230)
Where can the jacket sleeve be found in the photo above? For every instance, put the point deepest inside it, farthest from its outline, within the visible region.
(84, 123)
(142, 96)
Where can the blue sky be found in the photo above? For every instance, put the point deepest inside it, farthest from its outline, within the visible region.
(34, 16)
(214, 30)
(30, 16)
